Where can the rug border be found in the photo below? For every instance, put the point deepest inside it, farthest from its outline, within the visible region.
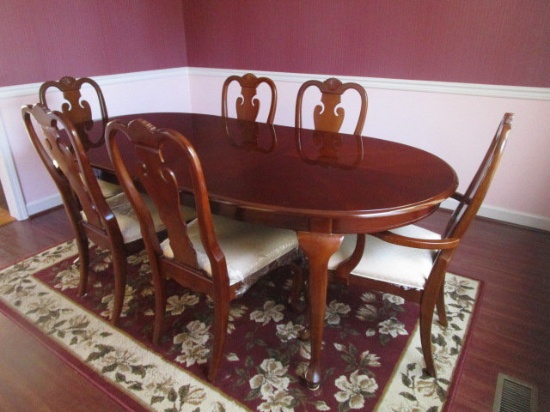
(42, 250)
(132, 403)
(121, 398)
(457, 376)
(457, 372)
(89, 373)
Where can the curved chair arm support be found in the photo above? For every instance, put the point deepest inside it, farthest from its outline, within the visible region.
(345, 267)
(458, 196)
(434, 244)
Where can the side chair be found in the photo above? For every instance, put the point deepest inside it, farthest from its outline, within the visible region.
(214, 255)
(79, 112)
(108, 223)
(247, 104)
(411, 262)
(328, 116)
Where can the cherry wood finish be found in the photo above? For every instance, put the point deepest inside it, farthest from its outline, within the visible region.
(248, 105)
(76, 109)
(59, 146)
(394, 185)
(156, 176)
(431, 296)
(510, 333)
(329, 115)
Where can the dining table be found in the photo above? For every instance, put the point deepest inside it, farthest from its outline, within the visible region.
(322, 185)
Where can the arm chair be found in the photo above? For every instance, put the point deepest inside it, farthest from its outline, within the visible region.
(213, 255)
(247, 104)
(328, 116)
(411, 262)
(79, 112)
(109, 223)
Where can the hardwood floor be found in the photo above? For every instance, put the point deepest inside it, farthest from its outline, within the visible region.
(32, 377)
(510, 335)
(5, 217)
(512, 331)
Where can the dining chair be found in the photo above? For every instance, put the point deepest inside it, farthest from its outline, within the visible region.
(214, 255)
(79, 112)
(108, 223)
(411, 262)
(247, 104)
(328, 116)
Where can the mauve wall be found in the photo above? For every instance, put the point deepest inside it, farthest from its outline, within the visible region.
(504, 42)
(47, 39)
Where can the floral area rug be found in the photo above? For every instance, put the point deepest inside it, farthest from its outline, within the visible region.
(372, 358)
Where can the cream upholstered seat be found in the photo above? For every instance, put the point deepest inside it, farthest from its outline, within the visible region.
(109, 189)
(248, 248)
(411, 262)
(79, 112)
(400, 265)
(126, 217)
(211, 254)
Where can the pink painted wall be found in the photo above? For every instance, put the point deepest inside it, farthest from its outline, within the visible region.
(503, 42)
(42, 40)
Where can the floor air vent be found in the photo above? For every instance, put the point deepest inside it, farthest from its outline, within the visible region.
(513, 395)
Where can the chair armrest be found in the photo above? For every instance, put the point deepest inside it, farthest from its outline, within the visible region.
(457, 196)
(433, 244)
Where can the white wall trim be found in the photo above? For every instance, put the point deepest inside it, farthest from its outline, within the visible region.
(10, 181)
(472, 89)
(504, 215)
(20, 210)
(141, 76)
(8, 172)
(8, 92)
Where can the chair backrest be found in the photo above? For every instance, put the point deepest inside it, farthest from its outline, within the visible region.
(44, 144)
(331, 150)
(150, 147)
(77, 110)
(247, 104)
(472, 199)
(329, 115)
(58, 144)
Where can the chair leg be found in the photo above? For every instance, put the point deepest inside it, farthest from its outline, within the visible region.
(160, 307)
(84, 263)
(221, 321)
(426, 318)
(298, 283)
(119, 269)
(441, 308)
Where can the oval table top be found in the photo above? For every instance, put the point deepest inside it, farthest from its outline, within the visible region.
(302, 179)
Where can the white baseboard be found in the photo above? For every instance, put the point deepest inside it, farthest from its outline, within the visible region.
(43, 204)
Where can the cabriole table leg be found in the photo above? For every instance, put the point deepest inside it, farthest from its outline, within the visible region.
(318, 247)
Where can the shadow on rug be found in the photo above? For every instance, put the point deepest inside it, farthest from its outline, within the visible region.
(372, 358)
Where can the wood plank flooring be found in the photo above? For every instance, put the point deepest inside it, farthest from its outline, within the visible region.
(511, 333)
(5, 216)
